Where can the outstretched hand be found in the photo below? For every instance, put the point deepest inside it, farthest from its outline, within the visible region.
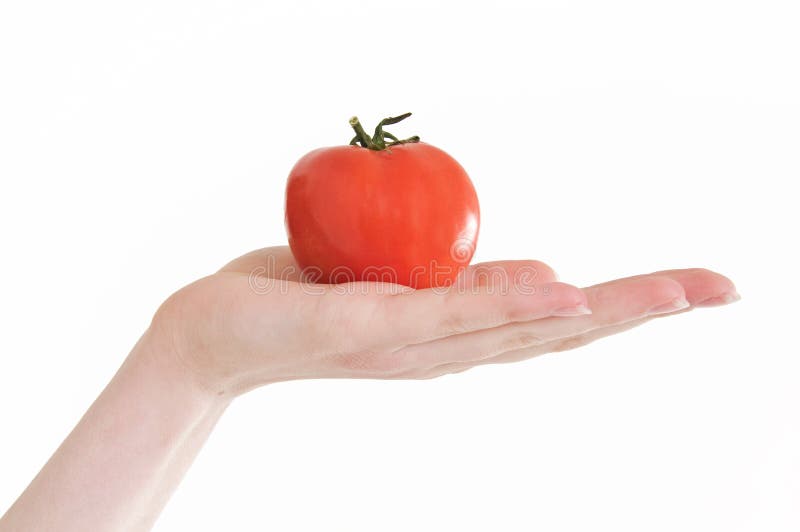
(256, 321)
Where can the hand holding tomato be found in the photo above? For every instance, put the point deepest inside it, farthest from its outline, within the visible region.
(257, 322)
(381, 209)
(377, 223)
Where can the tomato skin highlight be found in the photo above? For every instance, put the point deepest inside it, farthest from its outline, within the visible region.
(407, 214)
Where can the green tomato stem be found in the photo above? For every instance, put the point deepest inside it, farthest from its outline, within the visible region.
(378, 140)
(361, 136)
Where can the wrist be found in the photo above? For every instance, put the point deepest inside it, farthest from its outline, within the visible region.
(157, 355)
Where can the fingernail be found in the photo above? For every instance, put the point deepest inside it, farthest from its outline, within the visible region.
(724, 299)
(565, 312)
(731, 297)
(676, 304)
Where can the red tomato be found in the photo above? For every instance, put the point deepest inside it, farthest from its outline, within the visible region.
(405, 214)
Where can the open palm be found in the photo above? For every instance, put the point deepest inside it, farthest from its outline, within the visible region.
(258, 321)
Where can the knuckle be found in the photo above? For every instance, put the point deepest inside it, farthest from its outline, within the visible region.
(602, 294)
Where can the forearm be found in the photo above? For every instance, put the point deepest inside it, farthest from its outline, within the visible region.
(120, 464)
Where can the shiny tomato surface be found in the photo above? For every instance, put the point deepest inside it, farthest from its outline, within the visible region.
(407, 214)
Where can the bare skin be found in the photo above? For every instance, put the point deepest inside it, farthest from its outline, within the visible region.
(249, 325)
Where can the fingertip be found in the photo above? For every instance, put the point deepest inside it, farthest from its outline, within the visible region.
(716, 301)
(572, 301)
(704, 287)
(629, 298)
(566, 292)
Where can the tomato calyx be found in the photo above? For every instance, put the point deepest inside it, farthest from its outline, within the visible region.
(379, 141)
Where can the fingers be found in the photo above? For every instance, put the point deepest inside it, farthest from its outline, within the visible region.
(424, 316)
(553, 346)
(487, 295)
(376, 340)
(704, 288)
(519, 355)
(700, 287)
(630, 298)
(611, 303)
(566, 344)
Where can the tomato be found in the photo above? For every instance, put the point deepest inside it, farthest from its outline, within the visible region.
(381, 209)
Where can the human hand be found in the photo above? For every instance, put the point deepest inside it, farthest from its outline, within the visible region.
(256, 321)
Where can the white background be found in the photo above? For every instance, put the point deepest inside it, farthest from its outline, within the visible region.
(143, 144)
